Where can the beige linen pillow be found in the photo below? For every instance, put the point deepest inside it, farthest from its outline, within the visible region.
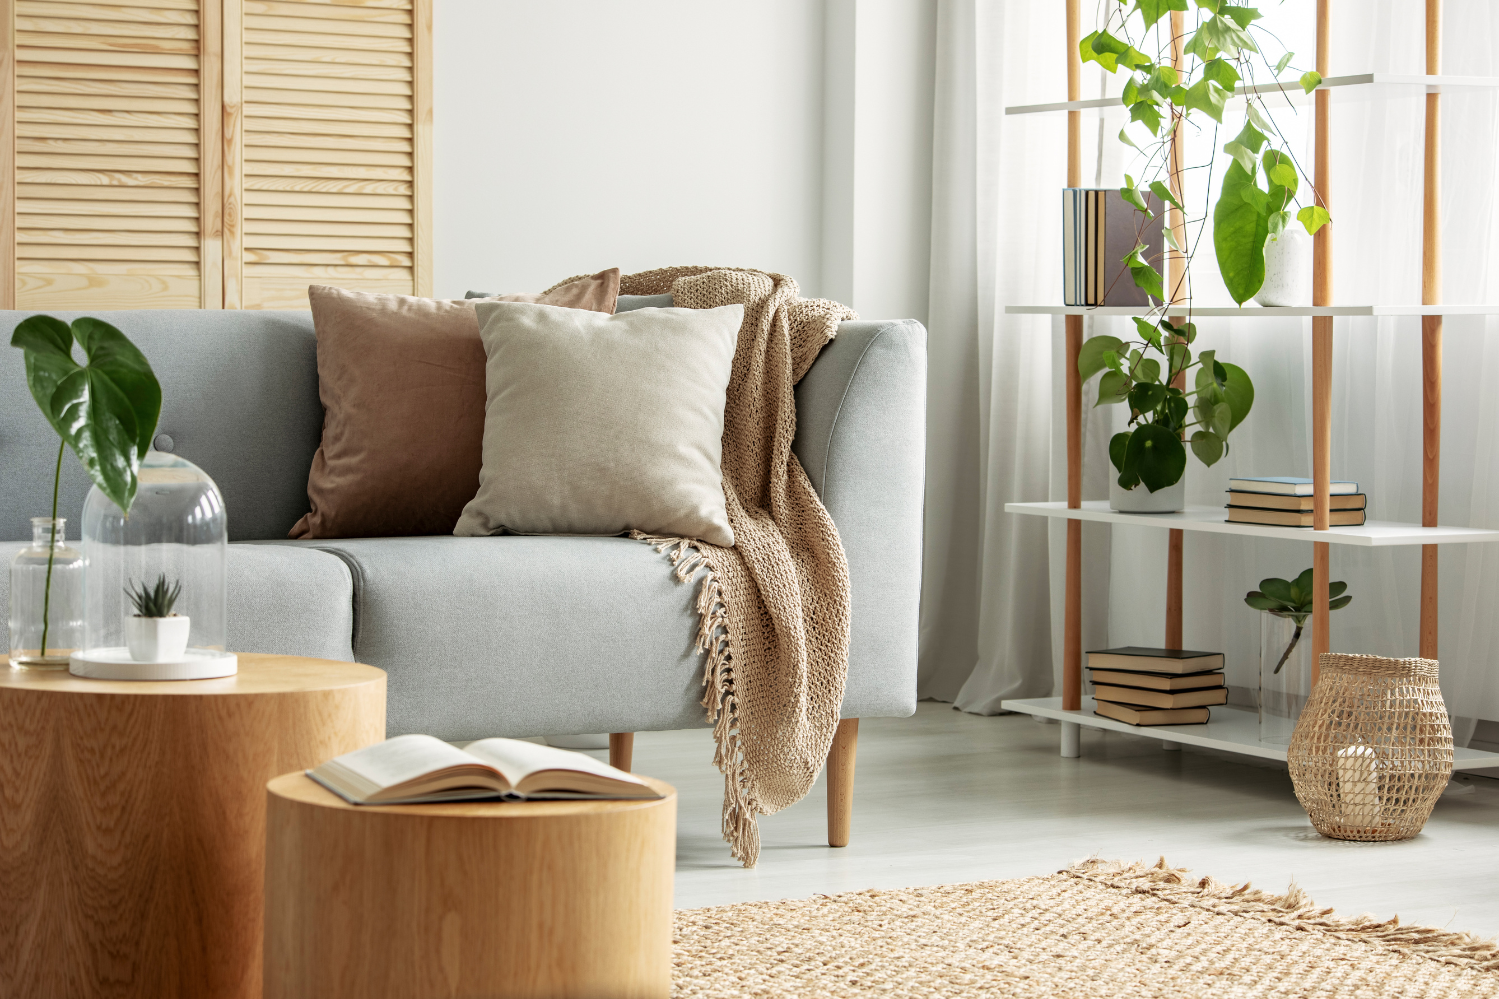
(600, 424)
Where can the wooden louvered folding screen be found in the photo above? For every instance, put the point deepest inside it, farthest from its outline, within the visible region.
(212, 153)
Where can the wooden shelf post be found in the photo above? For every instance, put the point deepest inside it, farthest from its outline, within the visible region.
(1176, 276)
(1322, 356)
(1072, 645)
(1431, 333)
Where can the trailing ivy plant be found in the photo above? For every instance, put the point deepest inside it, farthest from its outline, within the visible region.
(1260, 187)
(1141, 374)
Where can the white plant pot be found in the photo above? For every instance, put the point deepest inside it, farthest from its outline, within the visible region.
(1288, 269)
(1142, 500)
(157, 639)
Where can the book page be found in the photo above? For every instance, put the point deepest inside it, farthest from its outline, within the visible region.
(516, 759)
(404, 758)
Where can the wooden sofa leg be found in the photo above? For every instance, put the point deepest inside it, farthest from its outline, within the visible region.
(621, 749)
(841, 781)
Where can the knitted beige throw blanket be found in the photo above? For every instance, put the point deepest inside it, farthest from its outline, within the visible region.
(774, 609)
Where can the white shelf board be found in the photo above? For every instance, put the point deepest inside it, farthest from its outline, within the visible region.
(1230, 729)
(1257, 311)
(1214, 519)
(1292, 90)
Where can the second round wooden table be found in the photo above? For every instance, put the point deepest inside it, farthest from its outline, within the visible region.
(507, 900)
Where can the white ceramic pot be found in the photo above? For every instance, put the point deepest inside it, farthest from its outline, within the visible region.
(157, 639)
(1142, 500)
(1288, 268)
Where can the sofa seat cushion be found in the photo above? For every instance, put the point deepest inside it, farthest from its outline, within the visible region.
(520, 636)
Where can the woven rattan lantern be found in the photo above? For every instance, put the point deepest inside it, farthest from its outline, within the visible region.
(1372, 751)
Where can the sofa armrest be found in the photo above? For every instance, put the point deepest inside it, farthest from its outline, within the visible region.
(861, 436)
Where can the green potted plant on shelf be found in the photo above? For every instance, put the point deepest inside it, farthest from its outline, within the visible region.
(1285, 657)
(1150, 458)
(105, 409)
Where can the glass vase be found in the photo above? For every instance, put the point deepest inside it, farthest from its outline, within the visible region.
(1285, 674)
(46, 618)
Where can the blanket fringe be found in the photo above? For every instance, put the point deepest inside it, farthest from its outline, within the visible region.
(1294, 909)
(740, 828)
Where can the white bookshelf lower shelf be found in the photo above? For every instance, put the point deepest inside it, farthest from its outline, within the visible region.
(1259, 311)
(1214, 520)
(1231, 729)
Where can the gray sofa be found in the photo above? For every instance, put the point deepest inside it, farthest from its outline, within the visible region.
(510, 636)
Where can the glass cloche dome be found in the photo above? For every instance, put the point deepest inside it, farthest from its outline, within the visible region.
(154, 586)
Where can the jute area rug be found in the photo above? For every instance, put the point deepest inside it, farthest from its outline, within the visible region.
(1095, 930)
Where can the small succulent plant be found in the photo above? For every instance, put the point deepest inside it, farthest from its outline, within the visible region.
(1293, 599)
(155, 601)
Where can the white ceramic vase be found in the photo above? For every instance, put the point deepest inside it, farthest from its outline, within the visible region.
(1288, 268)
(1142, 500)
(157, 639)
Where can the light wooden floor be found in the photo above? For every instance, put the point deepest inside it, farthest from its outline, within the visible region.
(946, 797)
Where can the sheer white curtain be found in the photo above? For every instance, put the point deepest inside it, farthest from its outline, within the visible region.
(992, 601)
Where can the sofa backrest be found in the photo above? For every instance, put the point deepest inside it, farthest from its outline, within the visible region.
(239, 399)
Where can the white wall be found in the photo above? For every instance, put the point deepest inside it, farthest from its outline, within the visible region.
(788, 135)
(577, 135)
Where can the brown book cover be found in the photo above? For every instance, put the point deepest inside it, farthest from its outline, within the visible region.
(1139, 659)
(1100, 229)
(1156, 681)
(1151, 716)
(1159, 698)
(1292, 518)
(1270, 501)
(1123, 228)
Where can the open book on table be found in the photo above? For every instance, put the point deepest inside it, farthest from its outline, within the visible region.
(420, 769)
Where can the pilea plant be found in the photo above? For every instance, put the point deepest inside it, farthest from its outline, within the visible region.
(1151, 451)
(1221, 49)
(1293, 599)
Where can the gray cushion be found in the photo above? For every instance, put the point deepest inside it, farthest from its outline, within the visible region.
(239, 399)
(629, 303)
(284, 600)
(522, 636)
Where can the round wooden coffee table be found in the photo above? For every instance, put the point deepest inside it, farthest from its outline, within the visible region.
(494, 899)
(132, 820)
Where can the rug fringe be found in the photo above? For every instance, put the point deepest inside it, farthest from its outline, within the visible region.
(1294, 909)
(740, 827)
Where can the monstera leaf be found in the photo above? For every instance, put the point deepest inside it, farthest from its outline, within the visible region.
(104, 409)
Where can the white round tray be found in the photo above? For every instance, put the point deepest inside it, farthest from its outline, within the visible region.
(116, 664)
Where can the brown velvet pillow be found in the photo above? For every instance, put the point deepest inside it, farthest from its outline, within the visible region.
(402, 385)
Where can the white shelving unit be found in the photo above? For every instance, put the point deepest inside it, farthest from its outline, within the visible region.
(1232, 730)
(1235, 729)
(1214, 520)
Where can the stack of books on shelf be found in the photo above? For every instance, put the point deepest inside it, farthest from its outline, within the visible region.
(1156, 686)
(1282, 501)
(1099, 230)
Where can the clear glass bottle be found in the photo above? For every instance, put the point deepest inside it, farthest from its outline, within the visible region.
(46, 622)
(1285, 674)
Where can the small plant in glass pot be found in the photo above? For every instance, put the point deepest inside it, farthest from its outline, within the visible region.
(156, 634)
(1152, 376)
(1285, 655)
